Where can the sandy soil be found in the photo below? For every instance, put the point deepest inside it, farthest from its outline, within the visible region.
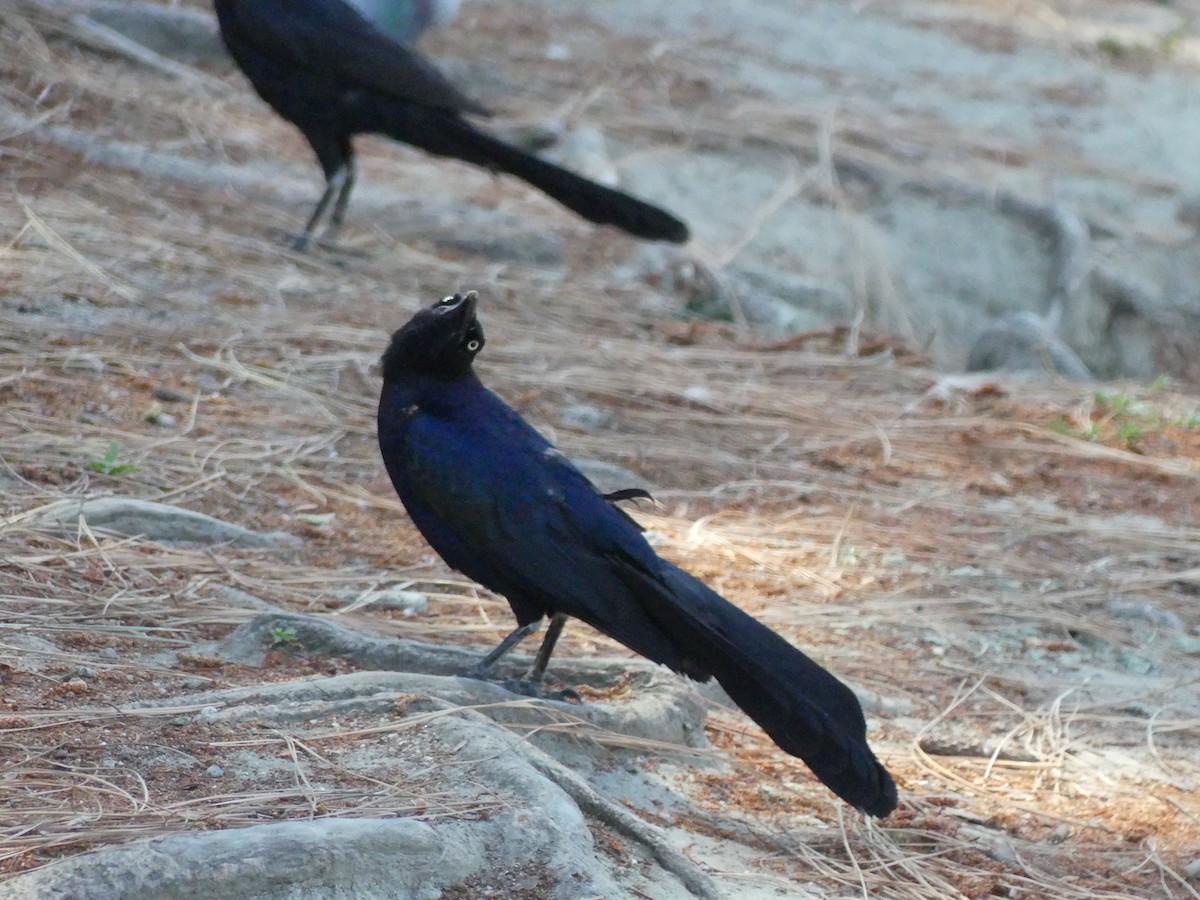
(1005, 570)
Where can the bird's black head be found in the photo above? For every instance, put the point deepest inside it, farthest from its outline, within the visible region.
(439, 341)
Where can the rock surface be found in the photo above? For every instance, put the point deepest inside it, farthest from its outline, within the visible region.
(159, 522)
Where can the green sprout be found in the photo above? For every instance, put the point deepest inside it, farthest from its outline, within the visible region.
(1129, 432)
(282, 635)
(110, 466)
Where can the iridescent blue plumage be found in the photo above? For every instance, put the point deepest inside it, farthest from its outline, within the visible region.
(505, 508)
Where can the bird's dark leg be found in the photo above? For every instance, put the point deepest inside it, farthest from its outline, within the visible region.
(503, 648)
(332, 186)
(350, 171)
(530, 686)
(557, 621)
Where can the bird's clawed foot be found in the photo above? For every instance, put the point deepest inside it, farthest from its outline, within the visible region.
(539, 691)
(304, 243)
(530, 686)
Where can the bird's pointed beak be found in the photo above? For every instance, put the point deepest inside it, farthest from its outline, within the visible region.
(460, 309)
(470, 298)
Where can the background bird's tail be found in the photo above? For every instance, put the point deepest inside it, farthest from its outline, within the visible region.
(447, 134)
(805, 709)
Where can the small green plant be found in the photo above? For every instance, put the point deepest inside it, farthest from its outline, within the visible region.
(1129, 432)
(1161, 383)
(1190, 422)
(110, 466)
(1115, 403)
(284, 635)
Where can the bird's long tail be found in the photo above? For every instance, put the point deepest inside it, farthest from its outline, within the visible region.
(447, 134)
(805, 709)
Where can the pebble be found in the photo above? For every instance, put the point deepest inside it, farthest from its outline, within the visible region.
(108, 653)
(699, 394)
(155, 416)
(581, 415)
(207, 716)
(1141, 611)
(966, 572)
(1135, 663)
(81, 672)
(79, 361)
(214, 771)
(1185, 643)
(169, 395)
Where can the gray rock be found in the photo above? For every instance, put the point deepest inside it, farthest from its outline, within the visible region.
(779, 303)
(185, 35)
(785, 302)
(27, 652)
(494, 241)
(662, 708)
(326, 858)
(532, 831)
(159, 522)
(1024, 343)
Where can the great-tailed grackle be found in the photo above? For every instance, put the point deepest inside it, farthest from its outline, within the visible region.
(326, 69)
(501, 505)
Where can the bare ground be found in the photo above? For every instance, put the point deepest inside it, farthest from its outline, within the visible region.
(1006, 571)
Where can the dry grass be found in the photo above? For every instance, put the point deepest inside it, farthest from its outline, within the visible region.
(963, 556)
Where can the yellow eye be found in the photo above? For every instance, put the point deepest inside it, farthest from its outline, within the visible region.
(448, 301)
(472, 346)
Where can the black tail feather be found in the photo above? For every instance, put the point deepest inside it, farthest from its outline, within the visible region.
(807, 711)
(447, 134)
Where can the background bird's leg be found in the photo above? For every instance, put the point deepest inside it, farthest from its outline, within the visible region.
(502, 649)
(557, 621)
(332, 186)
(349, 174)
